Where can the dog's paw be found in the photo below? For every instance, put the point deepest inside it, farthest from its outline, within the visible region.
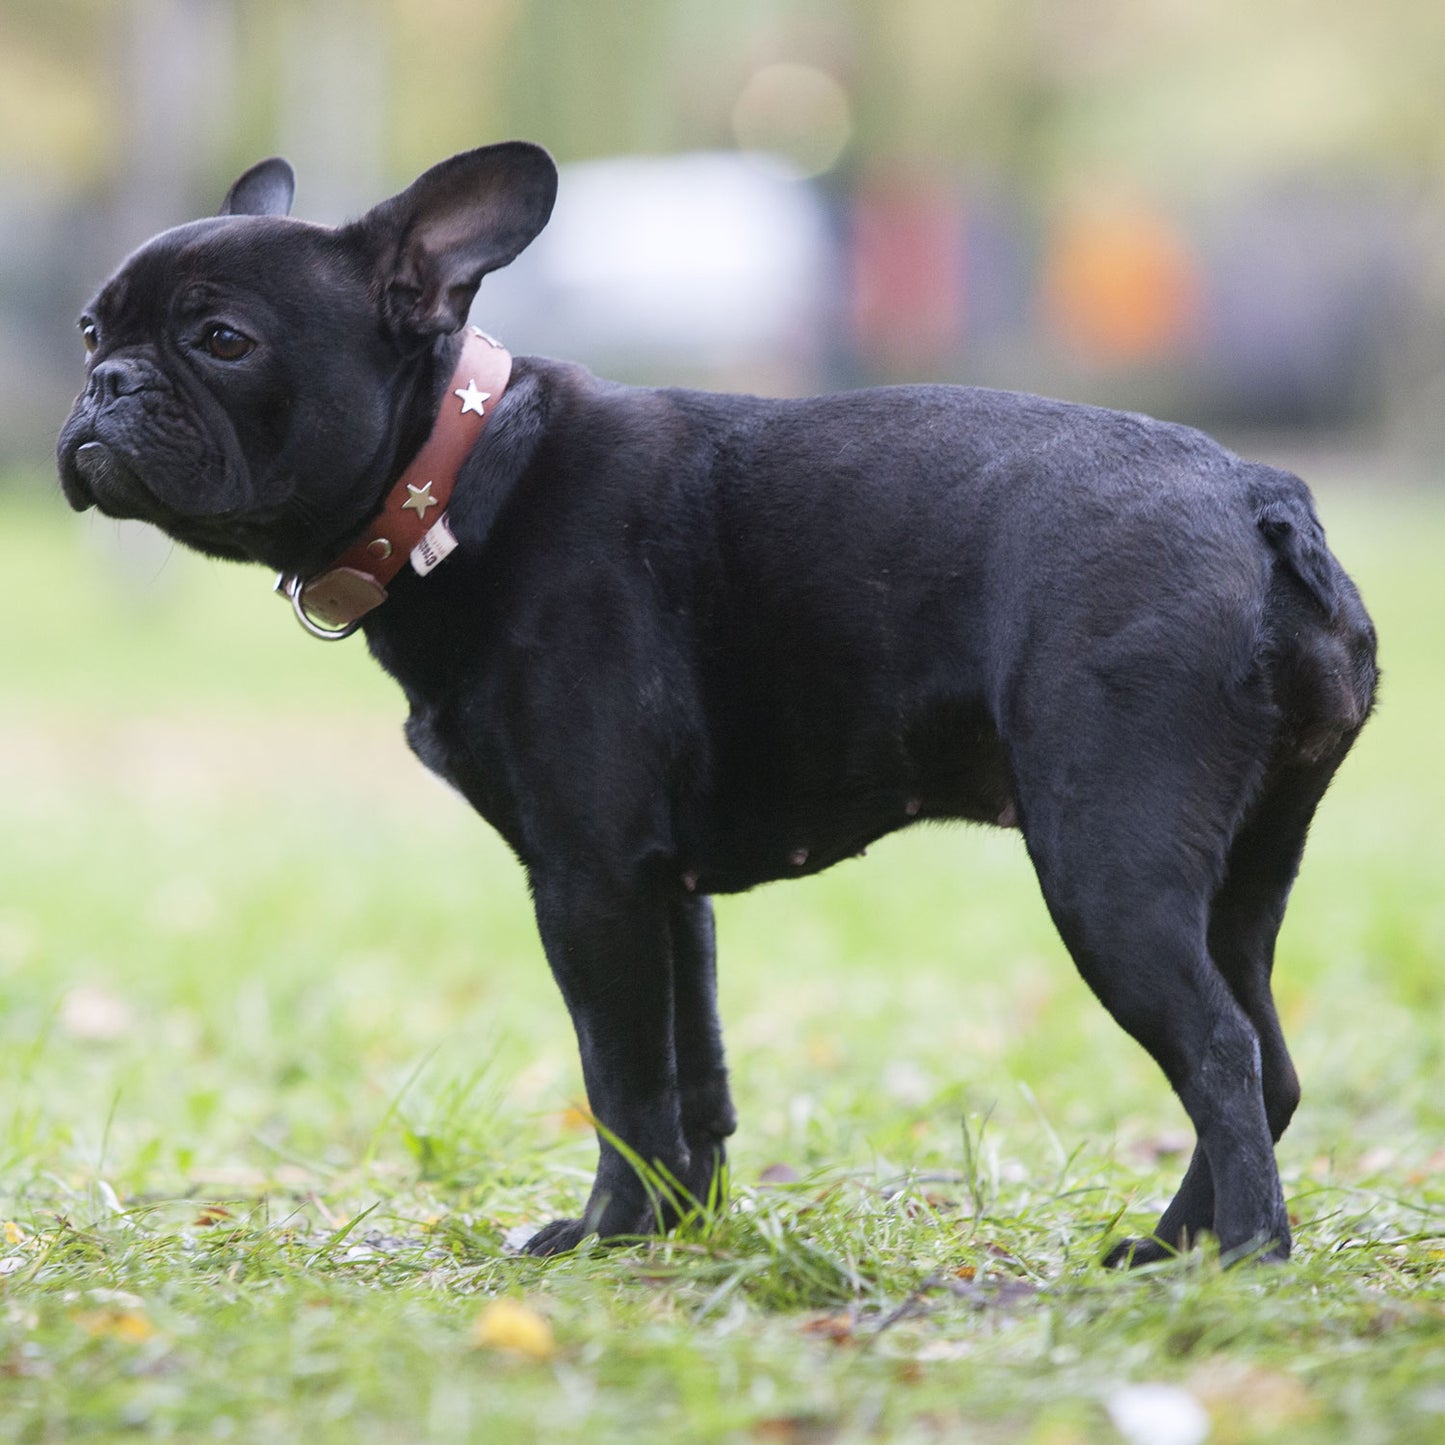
(1131, 1253)
(561, 1236)
(704, 1181)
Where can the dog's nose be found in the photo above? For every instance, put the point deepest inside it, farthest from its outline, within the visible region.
(116, 377)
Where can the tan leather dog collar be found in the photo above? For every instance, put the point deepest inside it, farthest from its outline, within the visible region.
(412, 522)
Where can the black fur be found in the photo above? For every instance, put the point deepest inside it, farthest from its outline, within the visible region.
(691, 643)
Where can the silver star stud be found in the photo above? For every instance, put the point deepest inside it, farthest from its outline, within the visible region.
(472, 399)
(419, 500)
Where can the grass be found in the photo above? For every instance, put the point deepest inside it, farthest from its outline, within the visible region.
(283, 1073)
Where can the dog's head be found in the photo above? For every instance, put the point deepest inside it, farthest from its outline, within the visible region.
(251, 378)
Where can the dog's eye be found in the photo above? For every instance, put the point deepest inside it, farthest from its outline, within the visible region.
(90, 335)
(225, 343)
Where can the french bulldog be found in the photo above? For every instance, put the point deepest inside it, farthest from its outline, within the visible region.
(673, 644)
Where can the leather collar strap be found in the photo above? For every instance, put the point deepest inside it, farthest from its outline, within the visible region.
(412, 522)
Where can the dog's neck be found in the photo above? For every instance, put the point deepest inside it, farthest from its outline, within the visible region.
(411, 524)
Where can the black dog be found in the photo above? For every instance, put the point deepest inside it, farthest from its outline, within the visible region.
(688, 643)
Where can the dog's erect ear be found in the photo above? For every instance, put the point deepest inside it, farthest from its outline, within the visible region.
(432, 244)
(265, 190)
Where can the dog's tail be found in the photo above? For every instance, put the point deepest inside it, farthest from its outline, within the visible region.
(1324, 673)
(1285, 515)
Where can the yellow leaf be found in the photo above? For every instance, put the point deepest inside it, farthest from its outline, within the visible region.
(13, 1233)
(128, 1325)
(822, 1052)
(514, 1328)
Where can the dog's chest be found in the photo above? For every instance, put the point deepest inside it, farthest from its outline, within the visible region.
(430, 747)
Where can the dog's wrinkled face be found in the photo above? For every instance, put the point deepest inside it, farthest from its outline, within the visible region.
(250, 376)
(228, 359)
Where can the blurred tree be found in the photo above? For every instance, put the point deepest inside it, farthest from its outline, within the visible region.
(593, 79)
(1178, 95)
(450, 69)
(53, 99)
(941, 82)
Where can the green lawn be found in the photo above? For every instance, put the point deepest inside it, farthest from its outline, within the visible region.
(283, 1069)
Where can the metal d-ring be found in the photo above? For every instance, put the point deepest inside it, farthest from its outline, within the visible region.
(290, 585)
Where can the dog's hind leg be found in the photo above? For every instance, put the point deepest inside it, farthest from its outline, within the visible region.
(1138, 936)
(1325, 681)
(1246, 915)
(1129, 827)
(1244, 922)
(708, 1117)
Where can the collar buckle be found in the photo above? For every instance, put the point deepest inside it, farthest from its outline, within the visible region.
(331, 606)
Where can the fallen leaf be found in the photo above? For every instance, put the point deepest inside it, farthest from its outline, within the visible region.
(14, 1234)
(1010, 1291)
(796, 1429)
(1269, 1398)
(838, 1329)
(822, 1052)
(779, 1174)
(514, 1328)
(212, 1214)
(128, 1325)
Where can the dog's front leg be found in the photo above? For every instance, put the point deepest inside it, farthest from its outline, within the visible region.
(611, 952)
(708, 1116)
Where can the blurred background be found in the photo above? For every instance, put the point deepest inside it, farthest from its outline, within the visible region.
(1229, 214)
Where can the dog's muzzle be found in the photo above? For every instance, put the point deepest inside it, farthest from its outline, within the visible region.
(101, 479)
